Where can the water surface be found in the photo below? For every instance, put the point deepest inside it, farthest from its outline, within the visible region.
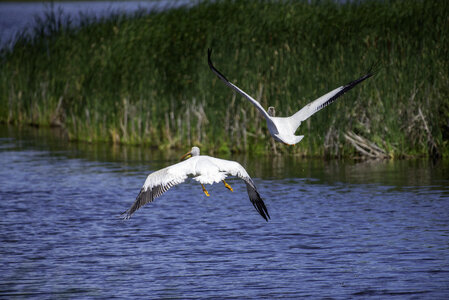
(17, 16)
(338, 230)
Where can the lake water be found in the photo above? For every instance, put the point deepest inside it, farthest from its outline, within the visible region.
(338, 230)
(17, 16)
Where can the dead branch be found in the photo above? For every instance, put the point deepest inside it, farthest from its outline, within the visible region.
(366, 147)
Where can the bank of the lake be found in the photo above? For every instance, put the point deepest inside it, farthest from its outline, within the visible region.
(144, 79)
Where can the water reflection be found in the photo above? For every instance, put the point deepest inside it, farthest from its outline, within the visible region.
(417, 172)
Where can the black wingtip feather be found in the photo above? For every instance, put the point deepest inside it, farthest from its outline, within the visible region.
(261, 208)
(143, 198)
(353, 83)
(256, 200)
(262, 212)
(371, 72)
(209, 61)
(211, 66)
(375, 68)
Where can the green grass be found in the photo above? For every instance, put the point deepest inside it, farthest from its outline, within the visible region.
(144, 79)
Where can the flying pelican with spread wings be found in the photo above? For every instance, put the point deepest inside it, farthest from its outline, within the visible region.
(283, 129)
(204, 169)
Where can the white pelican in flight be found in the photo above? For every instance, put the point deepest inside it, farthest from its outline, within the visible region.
(283, 129)
(204, 169)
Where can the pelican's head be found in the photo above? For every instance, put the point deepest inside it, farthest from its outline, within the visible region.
(271, 112)
(195, 151)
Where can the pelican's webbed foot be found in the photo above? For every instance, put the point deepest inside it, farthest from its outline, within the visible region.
(228, 186)
(205, 191)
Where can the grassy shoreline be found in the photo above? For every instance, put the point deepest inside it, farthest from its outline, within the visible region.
(144, 79)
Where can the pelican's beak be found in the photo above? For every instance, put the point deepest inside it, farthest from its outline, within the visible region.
(185, 156)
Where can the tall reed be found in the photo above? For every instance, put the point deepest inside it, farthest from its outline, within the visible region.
(144, 79)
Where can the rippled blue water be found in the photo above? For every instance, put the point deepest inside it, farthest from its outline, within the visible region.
(338, 230)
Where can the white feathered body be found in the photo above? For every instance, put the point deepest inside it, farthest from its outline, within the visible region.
(283, 129)
(204, 169)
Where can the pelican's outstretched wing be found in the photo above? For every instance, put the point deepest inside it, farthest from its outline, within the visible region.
(237, 89)
(255, 198)
(324, 101)
(233, 168)
(158, 183)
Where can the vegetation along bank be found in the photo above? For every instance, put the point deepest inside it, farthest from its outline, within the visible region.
(144, 79)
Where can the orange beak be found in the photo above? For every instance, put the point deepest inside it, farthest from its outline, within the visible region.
(185, 156)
